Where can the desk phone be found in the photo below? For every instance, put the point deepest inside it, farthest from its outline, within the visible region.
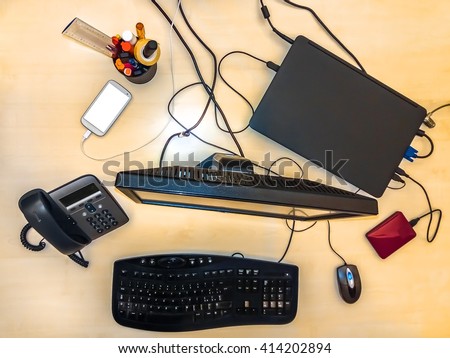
(71, 216)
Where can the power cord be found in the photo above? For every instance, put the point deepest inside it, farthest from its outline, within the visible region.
(209, 89)
(273, 66)
(266, 15)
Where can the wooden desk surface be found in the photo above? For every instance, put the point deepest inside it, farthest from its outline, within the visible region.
(48, 80)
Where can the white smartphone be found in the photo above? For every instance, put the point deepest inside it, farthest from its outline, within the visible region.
(106, 108)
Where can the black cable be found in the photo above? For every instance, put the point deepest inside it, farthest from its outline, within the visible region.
(209, 90)
(233, 89)
(287, 158)
(299, 230)
(186, 132)
(289, 242)
(215, 64)
(163, 151)
(79, 259)
(428, 121)
(413, 222)
(438, 108)
(431, 147)
(431, 211)
(26, 243)
(181, 125)
(266, 14)
(269, 64)
(23, 239)
(331, 246)
(325, 27)
(401, 187)
(293, 230)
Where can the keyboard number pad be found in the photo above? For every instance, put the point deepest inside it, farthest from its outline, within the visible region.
(276, 296)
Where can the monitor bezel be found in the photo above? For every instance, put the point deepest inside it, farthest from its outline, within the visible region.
(131, 183)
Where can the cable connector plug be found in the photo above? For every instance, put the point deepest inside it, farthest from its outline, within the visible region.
(410, 154)
(413, 222)
(86, 135)
(273, 66)
(397, 178)
(428, 121)
(420, 133)
(401, 172)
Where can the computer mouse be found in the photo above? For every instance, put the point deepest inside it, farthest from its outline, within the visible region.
(349, 283)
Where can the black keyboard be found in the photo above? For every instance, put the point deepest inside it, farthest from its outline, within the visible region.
(186, 292)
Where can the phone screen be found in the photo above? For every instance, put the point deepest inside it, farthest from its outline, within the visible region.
(106, 107)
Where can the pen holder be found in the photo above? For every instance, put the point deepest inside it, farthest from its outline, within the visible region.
(145, 74)
(137, 61)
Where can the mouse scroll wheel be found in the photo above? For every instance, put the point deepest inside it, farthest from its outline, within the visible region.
(350, 280)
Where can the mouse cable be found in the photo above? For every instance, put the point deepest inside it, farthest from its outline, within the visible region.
(430, 213)
(331, 246)
(293, 230)
(319, 20)
(209, 90)
(269, 64)
(428, 121)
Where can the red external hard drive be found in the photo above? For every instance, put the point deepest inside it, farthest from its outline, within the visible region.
(391, 234)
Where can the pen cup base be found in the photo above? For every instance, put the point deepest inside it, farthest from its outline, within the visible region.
(148, 73)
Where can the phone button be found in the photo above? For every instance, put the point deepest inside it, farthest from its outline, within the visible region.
(91, 208)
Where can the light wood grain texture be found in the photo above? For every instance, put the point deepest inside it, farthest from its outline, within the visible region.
(47, 81)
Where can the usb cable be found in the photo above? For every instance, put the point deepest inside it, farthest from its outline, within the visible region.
(401, 173)
(86, 135)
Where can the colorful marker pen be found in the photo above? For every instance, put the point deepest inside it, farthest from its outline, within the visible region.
(119, 65)
(140, 30)
(127, 46)
(128, 70)
(115, 40)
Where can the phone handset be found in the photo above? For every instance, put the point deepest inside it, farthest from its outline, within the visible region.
(53, 224)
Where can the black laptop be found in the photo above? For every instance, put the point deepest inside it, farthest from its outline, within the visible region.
(330, 112)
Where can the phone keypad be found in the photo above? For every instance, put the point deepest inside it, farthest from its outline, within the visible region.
(102, 221)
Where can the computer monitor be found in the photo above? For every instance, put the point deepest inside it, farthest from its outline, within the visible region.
(243, 193)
